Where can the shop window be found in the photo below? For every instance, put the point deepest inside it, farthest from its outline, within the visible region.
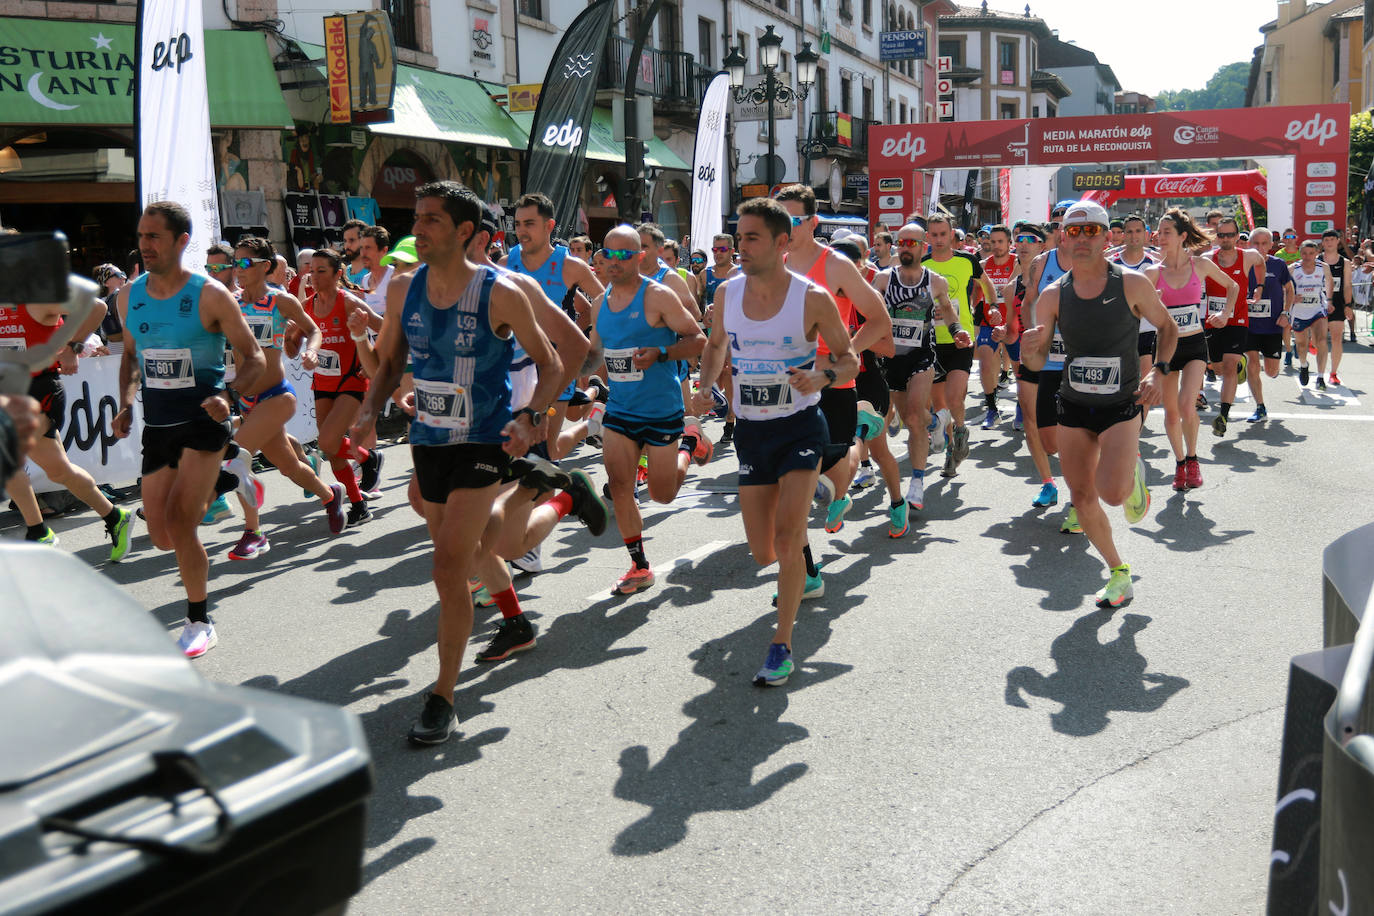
(402, 13)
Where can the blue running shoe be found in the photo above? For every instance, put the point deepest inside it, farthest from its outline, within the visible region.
(1016, 421)
(777, 668)
(218, 511)
(834, 517)
(1049, 496)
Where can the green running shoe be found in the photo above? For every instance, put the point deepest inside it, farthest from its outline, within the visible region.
(834, 516)
(1137, 505)
(121, 534)
(1071, 525)
(814, 588)
(897, 524)
(777, 667)
(1118, 589)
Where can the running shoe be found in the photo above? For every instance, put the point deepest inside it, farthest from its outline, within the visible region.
(1137, 505)
(1303, 376)
(1242, 370)
(727, 434)
(312, 458)
(1211, 376)
(532, 562)
(951, 466)
(1219, 426)
(334, 509)
(834, 516)
(49, 539)
(121, 535)
(601, 392)
(777, 667)
(480, 596)
(436, 721)
(1181, 476)
(869, 425)
(1260, 414)
(1201, 401)
(1048, 496)
(372, 474)
(895, 425)
(959, 444)
(1321, 383)
(1071, 525)
(357, 514)
(1335, 379)
(196, 638)
(218, 511)
(813, 587)
(939, 436)
(897, 520)
(250, 489)
(990, 418)
(704, 450)
(916, 492)
(595, 419)
(1003, 379)
(825, 492)
(1016, 422)
(636, 580)
(249, 546)
(721, 402)
(865, 478)
(541, 474)
(515, 634)
(1288, 359)
(586, 505)
(1193, 472)
(1118, 588)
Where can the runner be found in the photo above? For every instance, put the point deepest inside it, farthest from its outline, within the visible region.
(1133, 254)
(179, 364)
(1049, 266)
(1097, 308)
(772, 317)
(352, 241)
(374, 243)
(884, 255)
(1338, 265)
(643, 330)
(1264, 337)
(1178, 278)
(1313, 287)
(464, 433)
(999, 267)
(723, 268)
(23, 327)
(1227, 344)
(1290, 254)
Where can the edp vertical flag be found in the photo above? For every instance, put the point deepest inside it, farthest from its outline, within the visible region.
(562, 122)
(708, 164)
(172, 117)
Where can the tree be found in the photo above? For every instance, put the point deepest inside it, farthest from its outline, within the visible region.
(1226, 89)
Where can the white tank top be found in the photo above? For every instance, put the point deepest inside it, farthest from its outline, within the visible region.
(761, 352)
(1311, 290)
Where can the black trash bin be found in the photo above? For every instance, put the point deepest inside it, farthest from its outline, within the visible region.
(129, 784)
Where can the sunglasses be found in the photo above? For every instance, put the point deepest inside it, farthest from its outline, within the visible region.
(1053, 227)
(909, 243)
(1091, 230)
(722, 249)
(1227, 235)
(798, 220)
(245, 263)
(218, 268)
(1028, 239)
(618, 254)
(1290, 237)
(698, 260)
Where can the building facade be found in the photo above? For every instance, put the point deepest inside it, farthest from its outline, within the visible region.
(1313, 53)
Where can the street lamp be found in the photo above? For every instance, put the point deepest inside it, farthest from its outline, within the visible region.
(771, 91)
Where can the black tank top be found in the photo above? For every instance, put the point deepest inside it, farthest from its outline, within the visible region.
(1339, 293)
(1101, 336)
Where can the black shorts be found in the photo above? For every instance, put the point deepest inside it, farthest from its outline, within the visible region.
(870, 386)
(1230, 339)
(903, 366)
(1096, 419)
(331, 395)
(768, 449)
(1046, 406)
(441, 469)
(1270, 346)
(46, 388)
(841, 409)
(162, 445)
(1027, 375)
(664, 431)
(1192, 348)
(1146, 347)
(1337, 315)
(952, 358)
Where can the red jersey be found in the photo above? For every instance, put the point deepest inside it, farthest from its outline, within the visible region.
(19, 330)
(1216, 293)
(998, 275)
(817, 276)
(340, 369)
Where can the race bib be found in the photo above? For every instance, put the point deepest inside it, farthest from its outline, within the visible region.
(620, 366)
(262, 329)
(13, 343)
(1311, 300)
(1096, 374)
(1259, 309)
(1186, 317)
(1216, 305)
(764, 393)
(1057, 348)
(328, 363)
(443, 405)
(168, 368)
(1336, 283)
(908, 332)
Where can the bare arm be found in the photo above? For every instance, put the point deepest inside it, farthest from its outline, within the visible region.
(129, 375)
(579, 273)
(947, 312)
(663, 309)
(876, 332)
(567, 338)
(291, 307)
(1210, 271)
(391, 357)
(673, 280)
(1035, 342)
(823, 316)
(219, 312)
(510, 309)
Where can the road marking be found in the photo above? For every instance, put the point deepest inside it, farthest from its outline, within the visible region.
(1356, 417)
(687, 559)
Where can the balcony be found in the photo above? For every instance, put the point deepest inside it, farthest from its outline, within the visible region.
(673, 78)
(825, 136)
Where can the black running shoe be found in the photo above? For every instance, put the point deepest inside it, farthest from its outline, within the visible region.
(371, 471)
(436, 721)
(727, 434)
(513, 635)
(597, 389)
(543, 475)
(586, 505)
(357, 514)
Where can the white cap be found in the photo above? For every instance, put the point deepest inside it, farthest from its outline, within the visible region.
(1084, 212)
(840, 235)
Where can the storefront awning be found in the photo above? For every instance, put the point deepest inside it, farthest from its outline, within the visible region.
(81, 73)
(603, 147)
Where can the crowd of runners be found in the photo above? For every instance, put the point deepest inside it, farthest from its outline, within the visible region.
(817, 357)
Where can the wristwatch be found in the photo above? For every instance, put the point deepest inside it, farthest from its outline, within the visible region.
(535, 416)
(1162, 367)
(663, 354)
(829, 377)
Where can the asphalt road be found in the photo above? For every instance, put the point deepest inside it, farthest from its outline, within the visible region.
(966, 733)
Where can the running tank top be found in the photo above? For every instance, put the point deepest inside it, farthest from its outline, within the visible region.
(913, 312)
(1264, 314)
(182, 363)
(999, 275)
(1145, 261)
(19, 330)
(846, 306)
(712, 281)
(550, 273)
(1311, 290)
(1184, 303)
(1338, 287)
(264, 319)
(339, 368)
(1216, 294)
(1052, 271)
(652, 393)
(461, 367)
(1102, 335)
(762, 387)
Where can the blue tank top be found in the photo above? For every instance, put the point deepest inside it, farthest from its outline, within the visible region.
(265, 320)
(1053, 271)
(549, 275)
(461, 368)
(182, 363)
(1264, 317)
(712, 281)
(639, 394)
(662, 272)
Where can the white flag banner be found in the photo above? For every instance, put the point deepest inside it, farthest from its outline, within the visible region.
(708, 164)
(173, 112)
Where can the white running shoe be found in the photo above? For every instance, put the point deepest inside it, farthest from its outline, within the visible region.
(825, 492)
(196, 638)
(865, 478)
(916, 492)
(250, 488)
(594, 418)
(530, 562)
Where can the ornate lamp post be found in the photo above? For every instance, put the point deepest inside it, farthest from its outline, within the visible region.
(771, 90)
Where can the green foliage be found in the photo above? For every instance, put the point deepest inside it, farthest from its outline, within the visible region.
(1361, 155)
(1226, 89)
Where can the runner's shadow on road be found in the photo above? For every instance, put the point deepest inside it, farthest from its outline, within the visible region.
(736, 729)
(1270, 432)
(1058, 564)
(1094, 679)
(1002, 457)
(1238, 460)
(1183, 526)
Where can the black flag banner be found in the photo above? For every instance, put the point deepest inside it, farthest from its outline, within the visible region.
(562, 122)
(970, 187)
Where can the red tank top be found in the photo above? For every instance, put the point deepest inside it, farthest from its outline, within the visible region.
(1216, 294)
(999, 275)
(339, 369)
(817, 276)
(19, 330)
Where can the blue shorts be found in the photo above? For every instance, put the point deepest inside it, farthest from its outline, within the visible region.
(246, 404)
(984, 339)
(768, 449)
(1302, 324)
(664, 431)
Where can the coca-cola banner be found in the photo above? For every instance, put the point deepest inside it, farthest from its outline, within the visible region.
(1250, 183)
(1316, 136)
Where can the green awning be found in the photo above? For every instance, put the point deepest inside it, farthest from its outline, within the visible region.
(81, 73)
(603, 146)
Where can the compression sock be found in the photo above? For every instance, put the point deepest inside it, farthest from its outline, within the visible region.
(343, 471)
(508, 603)
(1225, 410)
(111, 518)
(36, 531)
(562, 504)
(635, 546)
(348, 450)
(810, 563)
(198, 611)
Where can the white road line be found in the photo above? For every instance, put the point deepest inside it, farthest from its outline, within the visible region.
(1355, 417)
(687, 559)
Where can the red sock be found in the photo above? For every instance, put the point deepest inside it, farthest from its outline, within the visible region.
(356, 452)
(562, 503)
(507, 602)
(344, 472)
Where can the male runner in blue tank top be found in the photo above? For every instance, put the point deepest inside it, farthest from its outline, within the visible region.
(178, 322)
(768, 321)
(457, 319)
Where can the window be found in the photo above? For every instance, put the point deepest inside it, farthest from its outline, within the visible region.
(1006, 62)
(781, 4)
(901, 109)
(868, 103)
(1007, 111)
(952, 48)
(868, 13)
(847, 10)
(822, 90)
(670, 28)
(402, 13)
(1035, 113)
(1268, 85)
(532, 8)
(706, 43)
(742, 42)
(1336, 62)
(845, 99)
